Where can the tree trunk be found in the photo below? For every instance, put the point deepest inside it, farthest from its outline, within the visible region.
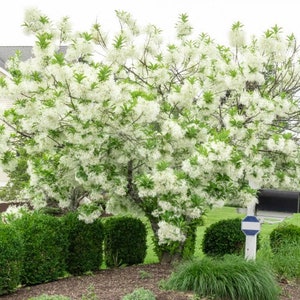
(177, 251)
(168, 258)
(165, 255)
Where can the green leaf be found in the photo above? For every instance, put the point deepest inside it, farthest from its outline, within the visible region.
(287, 135)
(145, 181)
(266, 162)
(87, 36)
(191, 132)
(2, 129)
(119, 41)
(222, 135)
(44, 40)
(208, 97)
(237, 26)
(276, 29)
(184, 18)
(104, 73)
(36, 76)
(7, 157)
(194, 160)
(268, 33)
(58, 59)
(17, 76)
(202, 150)
(163, 165)
(79, 77)
(2, 81)
(44, 19)
(233, 73)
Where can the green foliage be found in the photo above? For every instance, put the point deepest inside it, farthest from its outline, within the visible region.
(124, 241)
(148, 129)
(11, 256)
(145, 274)
(190, 242)
(85, 244)
(18, 179)
(45, 247)
(230, 277)
(282, 234)
(223, 237)
(119, 41)
(175, 250)
(50, 297)
(104, 73)
(90, 294)
(140, 294)
(286, 260)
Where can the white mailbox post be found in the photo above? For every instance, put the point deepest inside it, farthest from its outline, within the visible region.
(250, 227)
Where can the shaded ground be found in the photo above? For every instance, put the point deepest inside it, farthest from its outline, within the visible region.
(112, 284)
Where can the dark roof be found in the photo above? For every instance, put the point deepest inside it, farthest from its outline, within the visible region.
(8, 51)
(26, 52)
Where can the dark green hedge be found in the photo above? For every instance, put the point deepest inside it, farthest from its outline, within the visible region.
(85, 244)
(45, 247)
(11, 257)
(223, 237)
(124, 241)
(282, 234)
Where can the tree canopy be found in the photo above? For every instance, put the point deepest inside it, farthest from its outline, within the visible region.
(132, 123)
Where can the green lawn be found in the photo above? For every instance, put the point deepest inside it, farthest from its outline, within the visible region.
(221, 214)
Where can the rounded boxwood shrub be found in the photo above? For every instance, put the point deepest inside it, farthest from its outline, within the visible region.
(124, 241)
(224, 237)
(85, 244)
(45, 247)
(282, 234)
(11, 256)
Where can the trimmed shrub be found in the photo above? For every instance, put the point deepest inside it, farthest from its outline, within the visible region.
(45, 247)
(224, 237)
(190, 242)
(282, 234)
(286, 260)
(11, 256)
(85, 244)
(229, 277)
(124, 241)
(140, 294)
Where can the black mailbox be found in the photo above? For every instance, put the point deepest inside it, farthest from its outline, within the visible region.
(279, 201)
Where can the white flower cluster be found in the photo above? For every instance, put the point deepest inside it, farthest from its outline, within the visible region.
(146, 111)
(169, 233)
(173, 128)
(169, 126)
(183, 27)
(14, 212)
(237, 38)
(89, 218)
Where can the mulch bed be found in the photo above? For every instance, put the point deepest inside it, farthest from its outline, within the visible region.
(113, 284)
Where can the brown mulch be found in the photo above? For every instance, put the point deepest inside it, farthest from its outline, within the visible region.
(113, 284)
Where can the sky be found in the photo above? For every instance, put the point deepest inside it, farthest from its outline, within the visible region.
(214, 17)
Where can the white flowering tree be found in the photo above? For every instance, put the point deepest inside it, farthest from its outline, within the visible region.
(132, 124)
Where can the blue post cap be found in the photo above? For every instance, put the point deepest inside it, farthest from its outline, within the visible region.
(250, 225)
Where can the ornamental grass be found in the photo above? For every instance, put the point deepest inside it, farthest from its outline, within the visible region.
(230, 277)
